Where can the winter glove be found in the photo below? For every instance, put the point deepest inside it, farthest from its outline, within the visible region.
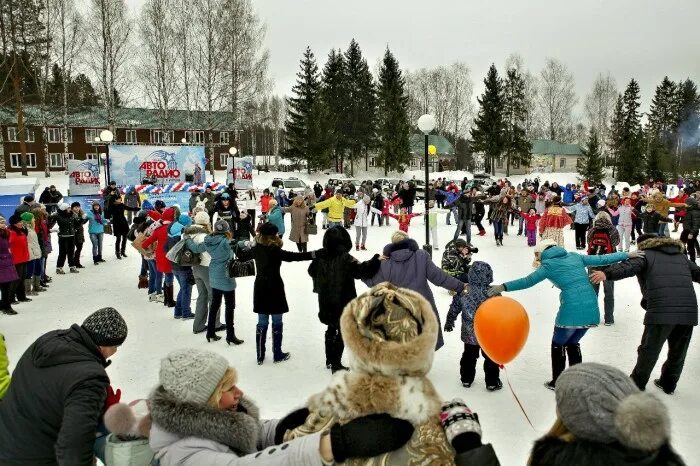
(369, 436)
(289, 422)
(495, 290)
(635, 255)
(461, 425)
(112, 397)
(449, 326)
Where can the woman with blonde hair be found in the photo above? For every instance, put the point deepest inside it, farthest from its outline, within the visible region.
(200, 416)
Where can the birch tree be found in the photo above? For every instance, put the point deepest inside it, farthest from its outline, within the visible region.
(109, 43)
(557, 99)
(159, 72)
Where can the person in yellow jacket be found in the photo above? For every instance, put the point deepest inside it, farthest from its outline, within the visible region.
(336, 208)
(4, 368)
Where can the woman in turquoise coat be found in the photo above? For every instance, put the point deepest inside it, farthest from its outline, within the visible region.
(578, 303)
(276, 217)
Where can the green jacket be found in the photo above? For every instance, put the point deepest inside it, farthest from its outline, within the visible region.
(4, 371)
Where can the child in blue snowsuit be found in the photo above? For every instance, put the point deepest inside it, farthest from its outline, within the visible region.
(480, 278)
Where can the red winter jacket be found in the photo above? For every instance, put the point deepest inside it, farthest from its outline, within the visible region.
(19, 248)
(160, 236)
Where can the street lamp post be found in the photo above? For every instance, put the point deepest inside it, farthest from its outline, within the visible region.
(232, 152)
(426, 124)
(105, 138)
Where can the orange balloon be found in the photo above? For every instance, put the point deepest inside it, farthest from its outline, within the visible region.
(501, 326)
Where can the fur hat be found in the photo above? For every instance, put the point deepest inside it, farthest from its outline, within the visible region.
(201, 218)
(544, 244)
(192, 375)
(390, 331)
(599, 403)
(221, 226)
(106, 327)
(268, 229)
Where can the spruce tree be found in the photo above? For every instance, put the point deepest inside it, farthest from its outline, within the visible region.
(393, 127)
(629, 163)
(488, 130)
(516, 144)
(302, 130)
(360, 121)
(335, 96)
(590, 167)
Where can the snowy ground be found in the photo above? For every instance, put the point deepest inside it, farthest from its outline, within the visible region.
(279, 388)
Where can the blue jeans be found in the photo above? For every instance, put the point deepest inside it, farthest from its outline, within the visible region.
(263, 319)
(96, 240)
(184, 294)
(155, 278)
(567, 336)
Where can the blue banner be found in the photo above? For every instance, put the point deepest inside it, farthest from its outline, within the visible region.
(131, 164)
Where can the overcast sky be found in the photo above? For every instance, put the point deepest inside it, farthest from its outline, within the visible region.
(644, 39)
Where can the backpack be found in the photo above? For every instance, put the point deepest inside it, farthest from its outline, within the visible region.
(600, 243)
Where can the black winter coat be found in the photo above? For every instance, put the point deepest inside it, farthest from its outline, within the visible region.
(120, 225)
(334, 275)
(551, 451)
(66, 223)
(50, 413)
(666, 279)
(268, 291)
(691, 221)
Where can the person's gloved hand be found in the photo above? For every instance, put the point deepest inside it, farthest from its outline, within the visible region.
(369, 436)
(289, 422)
(495, 290)
(635, 255)
(449, 326)
(112, 397)
(461, 426)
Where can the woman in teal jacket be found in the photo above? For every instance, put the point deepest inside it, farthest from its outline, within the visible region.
(96, 230)
(276, 217)
(578, 303)
(218, 245)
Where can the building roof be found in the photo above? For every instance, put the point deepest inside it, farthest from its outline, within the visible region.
(443, 146)
(96, 117)
(549, 147)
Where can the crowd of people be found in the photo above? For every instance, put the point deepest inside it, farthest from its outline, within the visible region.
(198, 415)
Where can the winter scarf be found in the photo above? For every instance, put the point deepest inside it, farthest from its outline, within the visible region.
(390, 336)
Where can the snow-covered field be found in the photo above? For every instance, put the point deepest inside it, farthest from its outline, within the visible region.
(281, 387)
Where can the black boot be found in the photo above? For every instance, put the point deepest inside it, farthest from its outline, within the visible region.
(558, 364)
(574, 354)
(329, 339)
(260, 340)
(338, 348)
(231, 337)
(278, 354)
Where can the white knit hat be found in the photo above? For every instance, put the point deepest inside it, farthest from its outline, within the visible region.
(201, 218)
(544, 244)
(192, 375)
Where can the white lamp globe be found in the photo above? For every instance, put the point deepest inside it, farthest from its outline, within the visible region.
(107, 136)
(426, 123)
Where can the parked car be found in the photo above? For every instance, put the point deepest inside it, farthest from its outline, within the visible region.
(289, 184)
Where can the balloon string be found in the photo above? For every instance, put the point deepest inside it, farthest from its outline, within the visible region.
(516, 398)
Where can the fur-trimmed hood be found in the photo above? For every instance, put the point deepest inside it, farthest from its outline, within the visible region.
(381, 340)
(662, 244)
(237, 430)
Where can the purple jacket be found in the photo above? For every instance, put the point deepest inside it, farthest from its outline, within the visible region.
(8, 272)
(411, 267)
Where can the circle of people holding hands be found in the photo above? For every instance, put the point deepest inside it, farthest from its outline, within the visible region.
(198, 414)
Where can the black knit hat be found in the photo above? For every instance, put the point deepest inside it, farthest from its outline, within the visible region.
(268, 229)
(106, 327)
